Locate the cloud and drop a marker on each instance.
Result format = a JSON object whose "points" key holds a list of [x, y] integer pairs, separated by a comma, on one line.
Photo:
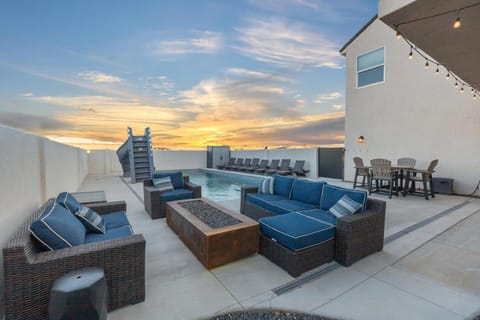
{"points": [[242, 72], [159, 85], [324, 97], [27, 94], [284, 5], [338, 106], [32, 123], [286, 43], [98, 77], [204, 42]]}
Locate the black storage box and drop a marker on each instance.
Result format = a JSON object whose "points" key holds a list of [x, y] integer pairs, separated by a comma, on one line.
{"points": [[443, 185]]}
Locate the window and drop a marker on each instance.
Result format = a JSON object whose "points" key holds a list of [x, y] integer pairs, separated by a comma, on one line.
{"points": [[370, 68]]}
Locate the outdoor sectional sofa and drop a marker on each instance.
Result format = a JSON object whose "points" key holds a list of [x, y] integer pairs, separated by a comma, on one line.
{"points": [[30, 270], [297, 231], [155, 201]]}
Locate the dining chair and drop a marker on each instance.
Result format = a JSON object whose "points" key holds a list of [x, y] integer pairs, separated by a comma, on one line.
{"points": [[380, 171], [360, 171], [404, 162], [424, 176]]}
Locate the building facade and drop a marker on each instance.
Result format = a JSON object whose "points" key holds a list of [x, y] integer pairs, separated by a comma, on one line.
{"points": [[403, 109]]}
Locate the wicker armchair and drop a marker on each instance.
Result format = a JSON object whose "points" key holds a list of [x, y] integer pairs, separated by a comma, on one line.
{"points": [[360, 171], [151, 197], [382, 171], [424, 176], [29, 270]]}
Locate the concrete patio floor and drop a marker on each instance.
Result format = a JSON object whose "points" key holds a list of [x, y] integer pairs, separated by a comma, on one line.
{"points": [[432, 272]]}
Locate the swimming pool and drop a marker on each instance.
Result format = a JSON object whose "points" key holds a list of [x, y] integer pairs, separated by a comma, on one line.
{"points": [[220, 186]]}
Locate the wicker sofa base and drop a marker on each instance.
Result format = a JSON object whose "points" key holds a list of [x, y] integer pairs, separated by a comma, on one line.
{"points": [[297, 262]]}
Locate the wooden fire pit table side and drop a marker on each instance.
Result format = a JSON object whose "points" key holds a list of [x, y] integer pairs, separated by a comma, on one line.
{"points": [[213, 247]]}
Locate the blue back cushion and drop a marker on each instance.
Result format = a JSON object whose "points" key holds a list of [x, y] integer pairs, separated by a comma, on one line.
{"points": [[176, 178], [282, 185], [58, 228], [90, 219], [307, 191], [68, 201], [331, 194]]}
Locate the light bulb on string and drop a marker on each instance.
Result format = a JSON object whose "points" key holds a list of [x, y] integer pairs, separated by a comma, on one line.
{"points": [[461, 90], [398, 35], [437, 71], [426, 64], [456, 84], [410, 55], [458, 23], [447, 76]]}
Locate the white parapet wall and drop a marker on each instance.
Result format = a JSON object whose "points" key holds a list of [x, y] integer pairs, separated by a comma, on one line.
{"points": [[309, 155], [173, 160], [34, 169]]}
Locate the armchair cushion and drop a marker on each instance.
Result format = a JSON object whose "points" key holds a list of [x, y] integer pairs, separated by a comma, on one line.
{"points": [[57, 228], [307, 191], [331, 194], [116, 233], [163, 184], [176, 194], [282, 185], [115, 220], [176, 178], [90, 219], [296, 231], [266, 186], [345, 206]]}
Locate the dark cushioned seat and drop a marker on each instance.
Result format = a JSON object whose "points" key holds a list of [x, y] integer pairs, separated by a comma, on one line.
{"points": [[282, 185], [321, 215], [116, 233], [115, 220], [307, 191], [296, 231], [176, 194], [331, 194], [293, 205], [260, 199]]}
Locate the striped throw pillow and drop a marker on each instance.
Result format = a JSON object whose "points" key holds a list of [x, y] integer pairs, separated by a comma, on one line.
{"points": [[266, 186], [163, 184], [345, 206], [91, 220]]}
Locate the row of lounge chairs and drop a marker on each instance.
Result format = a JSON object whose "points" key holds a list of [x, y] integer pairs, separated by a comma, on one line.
{"points": [[258, 166]]}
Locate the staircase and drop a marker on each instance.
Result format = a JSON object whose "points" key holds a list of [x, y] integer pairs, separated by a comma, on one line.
{"points": [[136, 156]]}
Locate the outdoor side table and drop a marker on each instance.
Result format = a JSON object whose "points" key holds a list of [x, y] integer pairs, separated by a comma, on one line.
{"points": [[79, 295]]}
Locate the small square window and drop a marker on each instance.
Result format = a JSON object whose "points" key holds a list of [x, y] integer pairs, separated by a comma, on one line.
{"points": [[371, 68]]}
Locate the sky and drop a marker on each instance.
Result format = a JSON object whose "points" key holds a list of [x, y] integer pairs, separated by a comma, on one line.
{"points": [[242, 73]]}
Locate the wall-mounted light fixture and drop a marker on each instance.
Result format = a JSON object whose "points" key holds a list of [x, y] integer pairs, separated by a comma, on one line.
{"points": [[361, 139]]}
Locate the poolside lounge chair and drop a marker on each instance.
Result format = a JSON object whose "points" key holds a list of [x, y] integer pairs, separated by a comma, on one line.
{"points": [[297, 169], [261, 166], [230, 162], [239, 162], [283, 166], [274, 164], [254, 164], [246, 164]]}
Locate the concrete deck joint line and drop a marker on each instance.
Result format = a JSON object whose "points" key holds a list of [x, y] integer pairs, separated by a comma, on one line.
{"points": [[133, 191]]}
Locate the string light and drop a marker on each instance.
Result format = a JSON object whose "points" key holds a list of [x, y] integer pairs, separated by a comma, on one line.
{"points": [[458, 23], [437, 71], [456, 84], [399, 35], [410, 56], [447, 76], [461, 90], [426, 64]]}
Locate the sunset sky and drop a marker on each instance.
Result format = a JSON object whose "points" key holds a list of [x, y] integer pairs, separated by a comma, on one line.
{"points": [[242, 73]]}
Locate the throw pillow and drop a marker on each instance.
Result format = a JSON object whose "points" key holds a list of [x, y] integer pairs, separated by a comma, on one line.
{"points": [[57, 228], [266, 186], [345, 206], [90, 219], [163, 184]]}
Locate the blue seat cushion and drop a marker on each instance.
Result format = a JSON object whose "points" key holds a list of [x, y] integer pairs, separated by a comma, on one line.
{"points": [[58, 228], [307, 191], [282, 185], [331, 194], [116, 233], [115, 220], [296, 231], [176, 178], [176, 194], [261, 199], [321, 215], [92, 221], [294, 205]]}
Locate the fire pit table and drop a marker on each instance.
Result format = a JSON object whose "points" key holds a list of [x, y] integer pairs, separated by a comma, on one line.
{"points": [[214, 234]]}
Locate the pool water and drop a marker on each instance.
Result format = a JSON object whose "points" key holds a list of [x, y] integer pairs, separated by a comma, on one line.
{"points": [[220, 186]]}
